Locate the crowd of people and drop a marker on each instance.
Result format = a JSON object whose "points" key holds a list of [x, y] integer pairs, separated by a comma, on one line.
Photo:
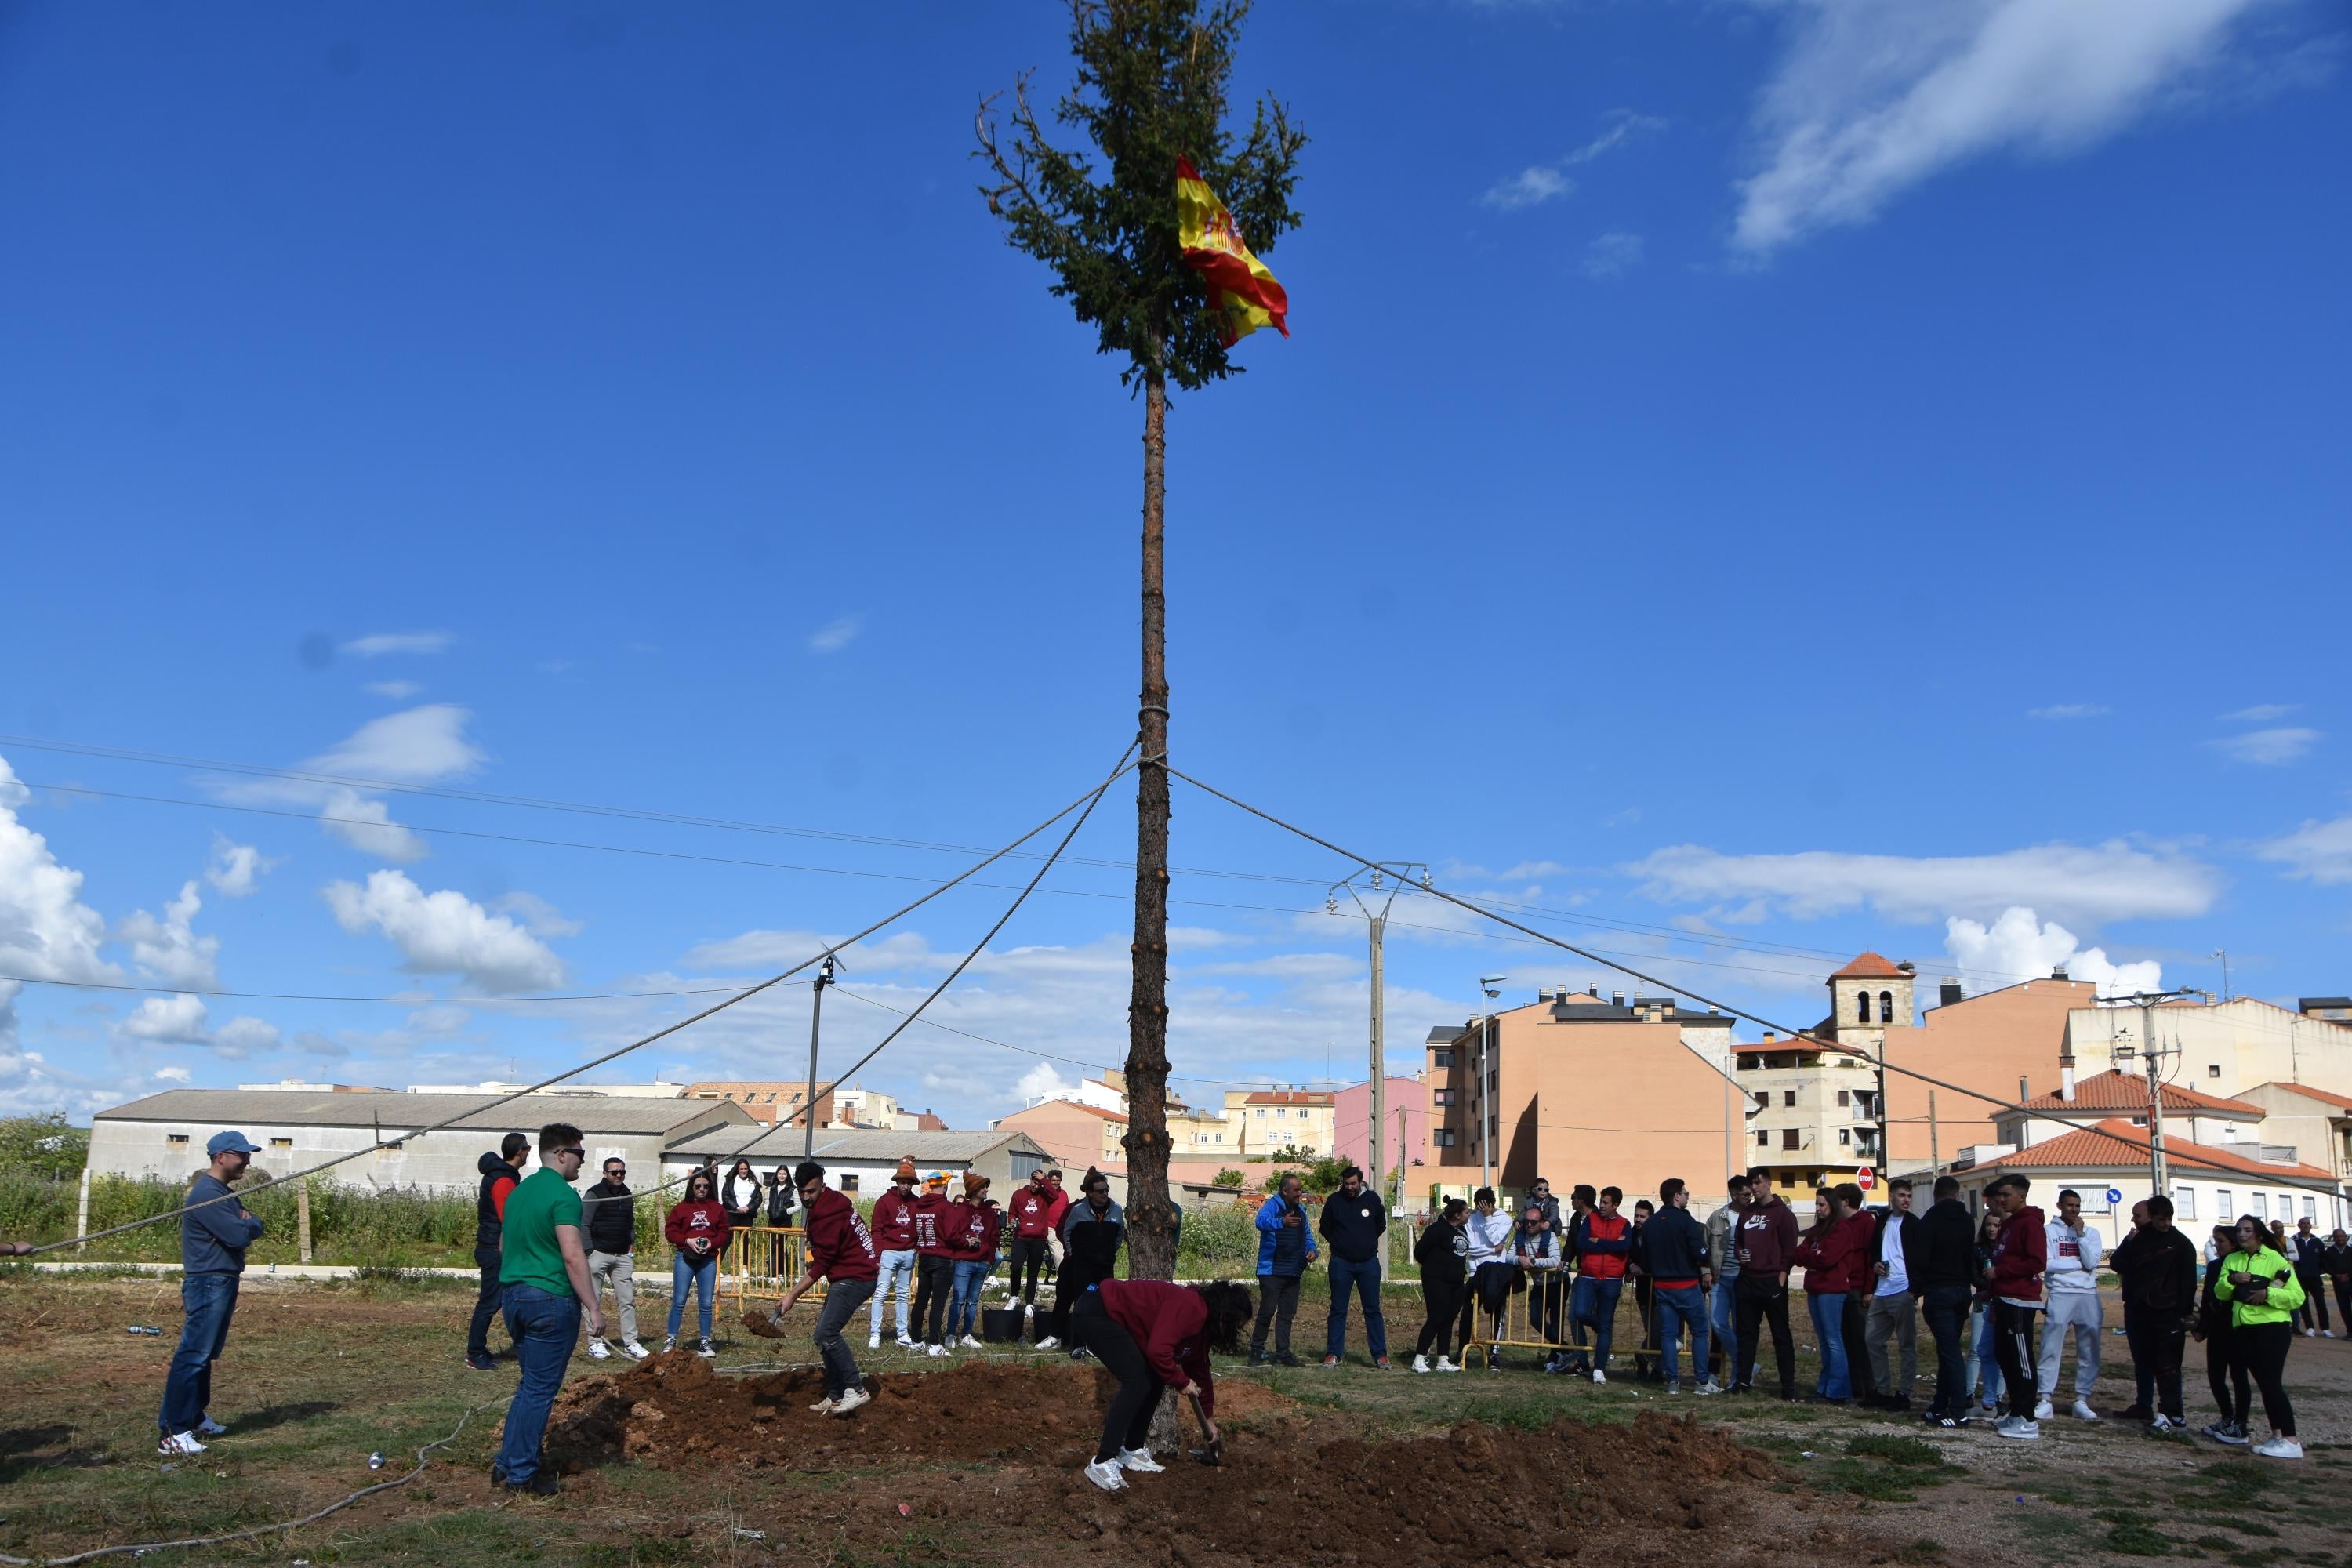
{"points": [[2004, 1297]]}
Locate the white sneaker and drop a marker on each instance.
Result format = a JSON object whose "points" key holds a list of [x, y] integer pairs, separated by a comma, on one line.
{"points": [[2327, 1334], [1048, 1343], [208, 1427], [1598, 1375], [598, 1350], [2016, 1427], [905, 1343], [823, 1407], [1447, 1365], [934, 1349], [874, 1342], [851, 1399], [2042, 1411], [1421, 1363], [669, 1344], [2164, 1423], [2280, 1449], [1141, 1460], [2082, 1411], [634, 1351], [179, 1446], [971, 1344], [705, 1351], [1105, 1474], [1711, 1387], [2309, 1334]]}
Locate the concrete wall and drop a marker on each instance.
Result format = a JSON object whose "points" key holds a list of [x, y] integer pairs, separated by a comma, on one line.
{"points": [[1005, 1169], [1406, 1119], [1983, 1045], [1073, 1134], [2212, 1200], [439, 1162], [2227, 1048]]}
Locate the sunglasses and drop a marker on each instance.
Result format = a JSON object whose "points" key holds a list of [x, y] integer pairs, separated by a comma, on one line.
{"points": [[582, 1152]]}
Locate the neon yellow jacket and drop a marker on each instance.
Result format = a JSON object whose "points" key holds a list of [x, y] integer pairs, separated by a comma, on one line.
{"points": [[2262, 1263]]}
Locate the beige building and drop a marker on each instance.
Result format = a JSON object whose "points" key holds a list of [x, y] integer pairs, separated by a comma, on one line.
{"points": [[2236, 1125], [1812, 1116], [2226, 1048], [1267, 1122], [1076, 1135], [2317, 1122]]}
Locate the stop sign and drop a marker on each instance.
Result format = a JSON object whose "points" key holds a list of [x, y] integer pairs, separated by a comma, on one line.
{"points": [[1865, 1178]]}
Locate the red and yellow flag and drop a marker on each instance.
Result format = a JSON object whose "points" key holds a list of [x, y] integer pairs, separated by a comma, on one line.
{"points": [[1245, 293]]}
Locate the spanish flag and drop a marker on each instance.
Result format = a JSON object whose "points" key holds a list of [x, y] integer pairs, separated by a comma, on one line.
{"points": [[1245, 293]]}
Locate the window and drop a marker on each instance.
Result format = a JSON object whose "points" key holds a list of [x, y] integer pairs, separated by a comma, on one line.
{"points": [[177, 1140], [1444, 1137], [2263, 1207], [1862, 1006], [1442, 1096], [1788, 1097], [1763, 1137], [1886, 1006], [281, 1142], [2221, 1204], [1442, 1059], [1261, 1113], [2184, 1202], [1788, 1138], [1763, 1098], [2212, 1069], [2287, 1205], [1845, 1137], [2309, 1213], [1844, 1097]]}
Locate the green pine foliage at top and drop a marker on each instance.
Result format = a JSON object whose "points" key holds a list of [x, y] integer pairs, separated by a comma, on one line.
{"points": [[1153, 79]]}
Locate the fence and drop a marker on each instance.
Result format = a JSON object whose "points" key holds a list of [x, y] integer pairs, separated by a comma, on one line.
{"points": [[1536, 1318], [763, 1264]]}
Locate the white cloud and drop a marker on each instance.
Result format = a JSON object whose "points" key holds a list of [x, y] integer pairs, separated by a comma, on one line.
{"points": [[2262, 712], [1613, 255], [2267, 748], [2019, 945], [416, 745], [2068, 711], [168, 949], [2319, 852], [445, 933], [380, 643], [2095, 883], [47, 933], [1043, 1081], [397, 690], [364, 822], [537, 915], [837, 635], [1542, 182], [1874, 97], [237, 868], [180, 1020]]}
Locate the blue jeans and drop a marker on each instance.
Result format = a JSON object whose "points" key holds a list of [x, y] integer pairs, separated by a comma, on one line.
{"points": [[1829, 1330], [1986, 1383], [1593, 1303], [963, 1300], [897, 1267], [1359, 1280], [842, 1299], [1723, 1316], [209, 1300], [1677, 1310], [701, 1276], [545, 1329]]}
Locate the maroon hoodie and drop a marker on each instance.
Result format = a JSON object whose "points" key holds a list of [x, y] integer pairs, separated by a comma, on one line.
{"points": [[2020, 1257], [936, 1223], [1033, 1210], [1839, 1262], [894, 1222], [1769, 1231], [976, 1241], [704, 1221], [840, 1247]]}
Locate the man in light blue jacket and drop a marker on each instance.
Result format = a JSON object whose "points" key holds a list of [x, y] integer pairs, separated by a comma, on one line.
{"points": [[1286, 1245]]}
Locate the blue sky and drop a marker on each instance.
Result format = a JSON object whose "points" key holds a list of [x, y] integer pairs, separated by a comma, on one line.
{"points": [[1750, 481]]}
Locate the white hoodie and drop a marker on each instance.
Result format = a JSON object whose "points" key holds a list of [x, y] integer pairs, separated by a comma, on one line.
{"points": [[1490, 1237], [2074, 1255]]}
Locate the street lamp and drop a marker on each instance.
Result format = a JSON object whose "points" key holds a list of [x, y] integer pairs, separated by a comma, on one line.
{"points": [[1489, 987], [1379, 920]]}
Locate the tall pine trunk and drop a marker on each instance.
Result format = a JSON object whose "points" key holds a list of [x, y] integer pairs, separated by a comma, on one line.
{"points": [[1152, 1250]]}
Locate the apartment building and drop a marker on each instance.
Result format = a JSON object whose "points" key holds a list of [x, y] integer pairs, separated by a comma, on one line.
{"points": [[2225, 1047], [1268, 1121], [1812, 1116]]}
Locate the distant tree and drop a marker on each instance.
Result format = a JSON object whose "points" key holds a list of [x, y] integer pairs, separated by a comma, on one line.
{"points": [[43, 1145], [1152, 83], [1226, 1178], [1323, 1175]]}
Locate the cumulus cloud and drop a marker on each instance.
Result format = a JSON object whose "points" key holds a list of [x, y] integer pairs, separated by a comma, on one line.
{"points": [[2267, 748], [182, 1020], [537, 915], [445, 933], [47, 933], [168, 949], [378, 644], [837, 635], [2022, 947], [2095, 883], [2068, 711], [1611, 256], [237, 868], [397, 690], [1044, 1081], [1872, 99], [419, 745], [2317, 852]]}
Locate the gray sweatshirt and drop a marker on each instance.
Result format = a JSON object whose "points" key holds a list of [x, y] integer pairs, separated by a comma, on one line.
{"points": [[213, 1239]]}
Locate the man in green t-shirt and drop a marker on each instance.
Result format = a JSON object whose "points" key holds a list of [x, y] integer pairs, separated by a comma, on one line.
{"points": [[543, 1289]]}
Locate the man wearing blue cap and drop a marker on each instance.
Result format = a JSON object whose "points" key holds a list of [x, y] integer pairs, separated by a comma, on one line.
{"points": [[213, 1239]]}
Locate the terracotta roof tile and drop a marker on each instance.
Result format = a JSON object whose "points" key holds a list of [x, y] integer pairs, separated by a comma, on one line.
{"points": [[1870, 966], [2089, 1150], [2118, 1090], [1291, 1097]]}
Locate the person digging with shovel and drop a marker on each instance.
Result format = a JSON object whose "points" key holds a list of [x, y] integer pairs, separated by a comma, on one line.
{"points": [[1150, 1336]]}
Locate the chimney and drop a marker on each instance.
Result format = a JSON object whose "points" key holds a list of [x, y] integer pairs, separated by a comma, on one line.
{"points": [[2059, 973], [1616, 998], [2066, 1079], [1949, 991], [1769, 1037], [2023, 1093], [1594, 992]]}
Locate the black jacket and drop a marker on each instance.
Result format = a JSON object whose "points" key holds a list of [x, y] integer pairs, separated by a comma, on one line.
{"points": [[488, 1226], [1940, 1248], [1353, 1226], [1673, 1245], [1442, 1252], [2158, 1271], [1093, 1239], [780, 1203], [610, 1212]]}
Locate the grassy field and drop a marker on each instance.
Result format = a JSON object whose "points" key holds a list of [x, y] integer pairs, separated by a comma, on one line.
{"points": [[319, 1377]]}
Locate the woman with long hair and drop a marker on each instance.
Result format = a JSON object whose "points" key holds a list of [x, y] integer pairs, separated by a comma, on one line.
{"points": [[697, 1226], [1150, 1336], [1443, 1251], [2225, 1375], [2263, 1292], [1984, 1371], [743, 1197]]}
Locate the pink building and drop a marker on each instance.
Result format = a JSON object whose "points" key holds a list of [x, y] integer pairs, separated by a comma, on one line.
{"points": [[1406, 1115]]}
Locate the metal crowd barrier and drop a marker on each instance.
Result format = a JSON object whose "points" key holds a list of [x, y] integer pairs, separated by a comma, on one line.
{"points": [[763, 1264], [1536, 1319]]}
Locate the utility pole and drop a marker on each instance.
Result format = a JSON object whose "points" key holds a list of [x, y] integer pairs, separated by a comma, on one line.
{"points": [[816, 1015], [2224, 954], [1935, 1153], [1379, 878], [1487, 992], [2146, 1001]]}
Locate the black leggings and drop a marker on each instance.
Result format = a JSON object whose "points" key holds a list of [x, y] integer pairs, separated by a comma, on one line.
{"points": [[2012, 1347], [1441, 1300], [1028, 1267], [1128, 1425], [934, 1283], [2260, 1349], [2223, 1370], [2314, 1299]]}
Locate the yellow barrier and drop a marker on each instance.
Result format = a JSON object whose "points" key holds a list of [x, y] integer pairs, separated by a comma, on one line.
{"points": [[763, 1264], [1533, 1318]]}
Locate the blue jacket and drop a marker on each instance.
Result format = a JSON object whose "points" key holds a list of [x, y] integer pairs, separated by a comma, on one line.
{"points": [[1282, 1251], [212, 1240]]}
